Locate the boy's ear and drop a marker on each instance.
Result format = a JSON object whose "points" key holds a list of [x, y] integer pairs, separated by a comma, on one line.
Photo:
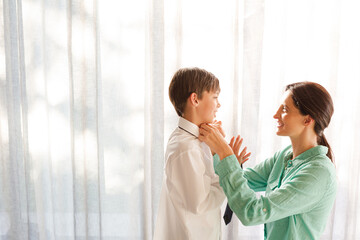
{"points": [[194, 99]]}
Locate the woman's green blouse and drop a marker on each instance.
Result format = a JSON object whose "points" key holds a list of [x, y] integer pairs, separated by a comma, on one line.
{"points": [[299, 192]]}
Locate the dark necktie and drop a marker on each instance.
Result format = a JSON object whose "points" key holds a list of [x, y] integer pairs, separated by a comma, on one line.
{"points": [[227, 215], [228, 212]]}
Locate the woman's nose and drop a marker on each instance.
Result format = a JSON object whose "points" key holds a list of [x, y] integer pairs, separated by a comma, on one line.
{"points": [[276, 115]]}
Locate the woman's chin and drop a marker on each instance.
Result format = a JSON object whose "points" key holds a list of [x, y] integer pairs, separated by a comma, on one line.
{"points": [[279, 133]]}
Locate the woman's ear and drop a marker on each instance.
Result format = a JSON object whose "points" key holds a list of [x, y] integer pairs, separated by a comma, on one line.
{"points": [[194, 99], [308, 120]]}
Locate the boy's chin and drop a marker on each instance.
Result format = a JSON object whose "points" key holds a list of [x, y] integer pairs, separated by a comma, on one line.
{"points": [[209, 120]]}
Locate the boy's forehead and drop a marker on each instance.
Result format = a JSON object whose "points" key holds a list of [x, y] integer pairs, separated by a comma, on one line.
{"points": [[216, 91]]}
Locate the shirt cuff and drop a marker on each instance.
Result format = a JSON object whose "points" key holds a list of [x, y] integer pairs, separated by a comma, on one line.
{"points": [[216, 159], [226, 165]]}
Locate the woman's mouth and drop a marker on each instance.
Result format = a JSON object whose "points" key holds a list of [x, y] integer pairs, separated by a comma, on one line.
{"points": [[279, 125]]}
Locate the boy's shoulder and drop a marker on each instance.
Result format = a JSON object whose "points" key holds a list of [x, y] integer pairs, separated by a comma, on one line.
{"points": [[185, 147], [183, 142]]}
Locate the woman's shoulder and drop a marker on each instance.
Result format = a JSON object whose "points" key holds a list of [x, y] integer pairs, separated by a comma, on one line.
{"points": [[324, 163], [321, 167]]}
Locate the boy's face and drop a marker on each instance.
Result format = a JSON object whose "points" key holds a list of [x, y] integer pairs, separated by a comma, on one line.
{"points": [[208, 106]]}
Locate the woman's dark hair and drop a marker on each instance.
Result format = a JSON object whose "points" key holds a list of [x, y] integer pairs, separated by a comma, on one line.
{"points": [[313, 99]]}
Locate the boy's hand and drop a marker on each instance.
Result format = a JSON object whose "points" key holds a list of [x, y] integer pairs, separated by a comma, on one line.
{"points": [[235, 145]]}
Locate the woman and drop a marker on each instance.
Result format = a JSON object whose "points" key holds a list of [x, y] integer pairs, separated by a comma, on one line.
{"points": [[300, 180]]}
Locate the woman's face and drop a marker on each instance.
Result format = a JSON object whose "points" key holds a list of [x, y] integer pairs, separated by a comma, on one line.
{"points": [[290, 122]]}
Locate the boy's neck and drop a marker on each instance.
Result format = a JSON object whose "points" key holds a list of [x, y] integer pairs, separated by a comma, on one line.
{"points": [[192, 118]]}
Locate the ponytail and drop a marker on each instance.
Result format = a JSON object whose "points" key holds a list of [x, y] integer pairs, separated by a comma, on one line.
{"points": [[322, 141], [314, 100]]}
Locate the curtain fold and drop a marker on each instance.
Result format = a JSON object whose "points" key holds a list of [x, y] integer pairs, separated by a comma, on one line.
{"points": [[14, 150], [154, 115], [84, 120]]}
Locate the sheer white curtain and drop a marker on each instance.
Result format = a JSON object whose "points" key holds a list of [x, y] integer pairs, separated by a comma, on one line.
{"points": [[85, 115]]}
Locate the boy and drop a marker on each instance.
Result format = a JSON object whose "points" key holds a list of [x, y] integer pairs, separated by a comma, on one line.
{"points": [[191, 196]]}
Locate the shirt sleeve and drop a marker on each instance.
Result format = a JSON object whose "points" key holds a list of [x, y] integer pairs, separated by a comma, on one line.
{"points": [[216, 160], [300, 194], [190, 187], [258, 176]]}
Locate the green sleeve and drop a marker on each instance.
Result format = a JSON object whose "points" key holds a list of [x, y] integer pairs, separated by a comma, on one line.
{"points": [[258, 176], [216, 159], [299, 194]]}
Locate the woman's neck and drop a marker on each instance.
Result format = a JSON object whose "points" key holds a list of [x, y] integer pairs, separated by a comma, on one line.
{"points": [[303, 143]]}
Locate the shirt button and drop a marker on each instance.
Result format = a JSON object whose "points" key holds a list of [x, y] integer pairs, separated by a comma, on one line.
{"points": [[264, 210]]}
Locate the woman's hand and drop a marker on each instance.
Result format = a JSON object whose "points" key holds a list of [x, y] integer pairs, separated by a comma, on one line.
{"points": [[235, 144], [214, 139], [218, 125]]}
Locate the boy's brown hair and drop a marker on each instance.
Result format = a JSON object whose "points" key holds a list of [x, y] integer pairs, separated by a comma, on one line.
{"points": [[187, 81]]}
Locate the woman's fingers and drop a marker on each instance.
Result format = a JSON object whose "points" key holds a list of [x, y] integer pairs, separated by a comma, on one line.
{"points": [[237, 144], [246, 157], [213, 138], [205, 130], [202, 132], [244, 160], [211, 135], [207, 127], [243, 157], [218, 126], [208, 134], [231, 144], [204, 127], [243, 152]]}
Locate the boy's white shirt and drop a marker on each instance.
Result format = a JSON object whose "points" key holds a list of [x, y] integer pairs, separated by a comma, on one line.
{"points": [[191, 196]]}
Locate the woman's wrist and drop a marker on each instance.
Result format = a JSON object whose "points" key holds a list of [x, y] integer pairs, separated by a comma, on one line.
{"points": [[225, 153]]}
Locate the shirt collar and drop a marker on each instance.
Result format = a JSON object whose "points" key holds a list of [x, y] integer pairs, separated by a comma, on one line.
{"points": [[318, 150], [188, 126]]}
